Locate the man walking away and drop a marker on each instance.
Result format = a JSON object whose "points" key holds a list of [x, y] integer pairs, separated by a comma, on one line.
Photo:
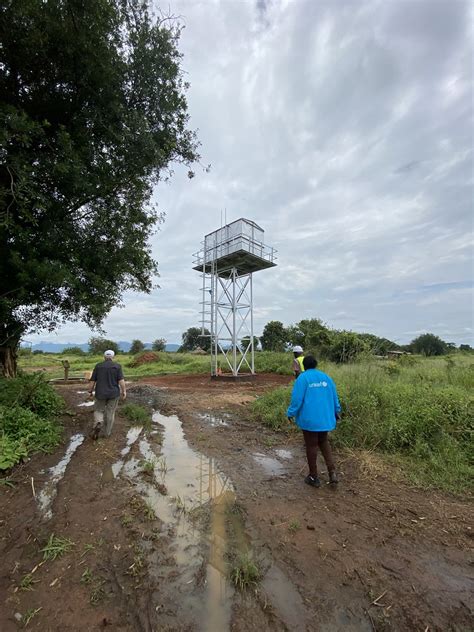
{"points": [[108, 381], [298, 355]]}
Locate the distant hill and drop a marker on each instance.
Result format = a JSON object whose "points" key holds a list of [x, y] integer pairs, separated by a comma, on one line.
{"points": [[57, 347]]}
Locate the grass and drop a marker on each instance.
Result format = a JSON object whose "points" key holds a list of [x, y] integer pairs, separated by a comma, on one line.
{"points": [[29, 615], [245, 572], [294, 526], [29, 408], [138, 415], [418, 413], [27, 582], [56, 547]]}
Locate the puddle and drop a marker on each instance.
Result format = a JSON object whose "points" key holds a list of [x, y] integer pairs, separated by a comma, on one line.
{"points": [[284, 454], [192, 480], [86, 404], [271, 466], [132, 436], [214, 420], [50, 489]]}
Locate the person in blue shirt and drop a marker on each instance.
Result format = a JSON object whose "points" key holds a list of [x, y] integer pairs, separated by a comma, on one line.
{"points": [[315, 407]]}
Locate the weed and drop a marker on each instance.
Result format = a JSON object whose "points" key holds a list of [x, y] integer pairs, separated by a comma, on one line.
{"points": [[97, 593], [29, 614], [56, 547], [87, 577], [148, 466], [245, 572], [294, 526], [180, 504], [126, 520], [87, 549], [162, 466], [149, 512], [27, 582], [136, 568], [7, 482], [138, 415], [269, 442]]}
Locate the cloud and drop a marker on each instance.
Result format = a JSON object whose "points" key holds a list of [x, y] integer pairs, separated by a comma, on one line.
{"points": [[343, 129]]}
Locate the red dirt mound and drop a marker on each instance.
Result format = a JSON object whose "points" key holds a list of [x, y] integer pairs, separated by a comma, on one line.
{"points": [[145, 358]]}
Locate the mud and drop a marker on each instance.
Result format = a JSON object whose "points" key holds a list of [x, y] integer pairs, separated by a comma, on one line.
{"points": [[161, 517]]}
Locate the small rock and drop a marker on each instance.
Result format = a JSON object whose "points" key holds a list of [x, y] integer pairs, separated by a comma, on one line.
{"points": [[18, 616], [310, 527]]}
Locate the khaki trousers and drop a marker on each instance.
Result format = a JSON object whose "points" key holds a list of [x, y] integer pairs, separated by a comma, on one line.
{"points": [[104, 414]]}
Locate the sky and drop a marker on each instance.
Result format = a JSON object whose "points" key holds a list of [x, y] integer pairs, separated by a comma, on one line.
{"points": [[344, 129]]}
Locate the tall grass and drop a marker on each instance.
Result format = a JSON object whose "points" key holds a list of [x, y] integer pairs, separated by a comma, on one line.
{"points": [[422, 412]]}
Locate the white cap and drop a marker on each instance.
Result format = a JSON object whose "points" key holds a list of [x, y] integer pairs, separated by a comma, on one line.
{"points": [[298, 349], [109, 353]]}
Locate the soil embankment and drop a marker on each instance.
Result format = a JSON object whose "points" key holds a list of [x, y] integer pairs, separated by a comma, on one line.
{"points": [[153, 519]]}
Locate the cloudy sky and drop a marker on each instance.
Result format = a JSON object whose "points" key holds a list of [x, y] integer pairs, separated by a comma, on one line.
{"points": [[344, 129]]}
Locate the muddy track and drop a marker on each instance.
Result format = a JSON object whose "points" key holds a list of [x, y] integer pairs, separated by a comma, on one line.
{"points": [[159, 516]]}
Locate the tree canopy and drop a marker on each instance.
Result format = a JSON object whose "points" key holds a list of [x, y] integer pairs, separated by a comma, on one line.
{"points": [[99, 345], [429, 345], [192, 339], [137, 346], [274, 336], [93, 113], [159, 344]]}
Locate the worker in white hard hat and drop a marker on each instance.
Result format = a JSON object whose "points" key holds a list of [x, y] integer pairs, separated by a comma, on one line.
{"points": [[298, 354]]}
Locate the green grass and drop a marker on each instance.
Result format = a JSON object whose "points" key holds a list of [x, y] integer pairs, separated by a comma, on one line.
{"points": [[418, 412], [29, 408], [245, 572], [56, 547], [138, 415]]}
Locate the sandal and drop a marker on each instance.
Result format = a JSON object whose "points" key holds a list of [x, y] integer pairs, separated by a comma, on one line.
{"points": [[333, 480]]}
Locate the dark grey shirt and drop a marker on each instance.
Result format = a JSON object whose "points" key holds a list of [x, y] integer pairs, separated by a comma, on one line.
{"points": [[106, 376]]}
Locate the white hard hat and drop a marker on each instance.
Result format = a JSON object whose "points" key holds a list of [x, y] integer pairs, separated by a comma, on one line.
{"points": [[298, 349]]}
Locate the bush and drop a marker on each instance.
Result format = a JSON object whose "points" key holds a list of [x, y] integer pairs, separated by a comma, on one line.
{"points": [[28, 411], [73, 351], [138, 415]]}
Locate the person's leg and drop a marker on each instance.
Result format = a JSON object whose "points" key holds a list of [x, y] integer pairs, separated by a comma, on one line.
{"points": [[311, 444], [99, 408], [325, 447], [110, 408]]}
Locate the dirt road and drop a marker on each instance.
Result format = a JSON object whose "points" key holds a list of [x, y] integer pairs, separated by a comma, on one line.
{"points": [[154, 520]]}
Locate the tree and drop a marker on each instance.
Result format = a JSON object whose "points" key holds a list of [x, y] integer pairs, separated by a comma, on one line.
{"points": [[274, 337], [92, 112], [192, 338], [74, 351], [246, 341], [137, 347], [346, 346], [159, 344], [310, 334], [428, 345], [97, 346], [465, 347]]}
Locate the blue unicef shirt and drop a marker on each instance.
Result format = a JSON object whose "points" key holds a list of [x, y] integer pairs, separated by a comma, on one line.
{"points": [[314, 401]]}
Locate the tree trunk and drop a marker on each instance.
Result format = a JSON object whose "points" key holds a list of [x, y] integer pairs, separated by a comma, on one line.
{"points": [[8, 356]]}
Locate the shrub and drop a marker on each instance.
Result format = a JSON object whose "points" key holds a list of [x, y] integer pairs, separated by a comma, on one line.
{"points": [[73, 351], [28, 410], [138, 415]]}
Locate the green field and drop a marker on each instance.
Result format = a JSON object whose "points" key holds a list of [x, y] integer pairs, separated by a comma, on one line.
{"points": [[417, 413]]}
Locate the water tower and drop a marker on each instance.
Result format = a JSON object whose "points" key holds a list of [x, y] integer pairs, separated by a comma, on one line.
{"points": [[227, 261]]}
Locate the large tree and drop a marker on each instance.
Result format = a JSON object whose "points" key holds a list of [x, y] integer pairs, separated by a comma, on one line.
{"points": [[274, 336], [429, 345], [192, 339], [92, 113]]}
